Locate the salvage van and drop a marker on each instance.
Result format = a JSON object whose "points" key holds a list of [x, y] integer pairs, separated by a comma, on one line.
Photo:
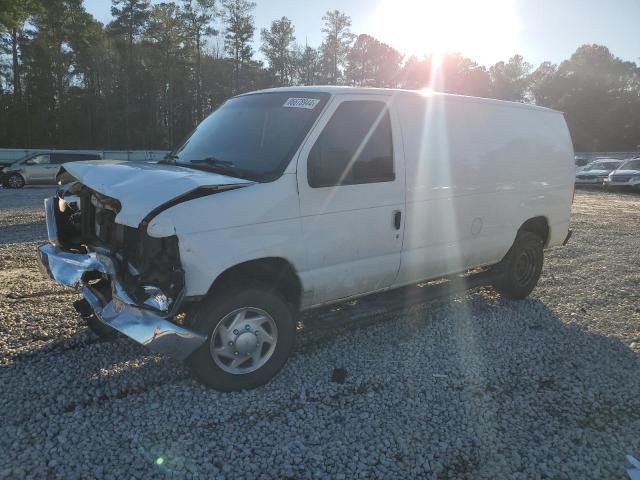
{"points": [[287, 199]]}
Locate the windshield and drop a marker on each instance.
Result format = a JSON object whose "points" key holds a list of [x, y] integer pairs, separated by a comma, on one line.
{"points": [[630, 165], [252, 136], [603, 166]]}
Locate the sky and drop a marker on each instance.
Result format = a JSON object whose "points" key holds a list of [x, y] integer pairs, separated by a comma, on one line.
{"points": [[486, 31]]}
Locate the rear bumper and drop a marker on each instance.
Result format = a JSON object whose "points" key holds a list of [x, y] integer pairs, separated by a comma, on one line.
{"points": [[113, 307], [634, 183]]}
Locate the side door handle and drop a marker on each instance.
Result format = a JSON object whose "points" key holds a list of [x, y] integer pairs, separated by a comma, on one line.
{"points": [[397, 219]]}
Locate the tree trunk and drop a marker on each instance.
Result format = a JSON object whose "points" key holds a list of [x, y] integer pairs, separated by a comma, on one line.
{"points": [[127, 87], [198, 81], [17, 90]]}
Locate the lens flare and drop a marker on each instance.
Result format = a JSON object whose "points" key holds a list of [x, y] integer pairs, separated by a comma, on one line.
{"points": [[482, 30]]}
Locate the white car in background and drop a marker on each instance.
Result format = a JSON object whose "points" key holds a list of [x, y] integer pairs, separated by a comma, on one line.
{"points": [[595, 173], [42, 167], [626, 175]]}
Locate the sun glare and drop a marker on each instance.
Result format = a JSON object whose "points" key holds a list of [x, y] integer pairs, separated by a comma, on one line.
{"points": [[482, 30]]}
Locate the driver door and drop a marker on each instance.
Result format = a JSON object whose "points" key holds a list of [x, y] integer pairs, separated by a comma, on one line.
{"points": [[351, 187]]}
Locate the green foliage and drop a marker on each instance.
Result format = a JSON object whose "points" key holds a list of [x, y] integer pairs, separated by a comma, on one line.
{"points": [[510, 81], [372, 63], [129, 17], [238, 35], [277, 46], [13, 13], [198, 16], [307, 65], [149, 76], [335, 47]]}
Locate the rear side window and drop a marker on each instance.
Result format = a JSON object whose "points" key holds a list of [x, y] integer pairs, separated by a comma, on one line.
{"points": [[355, 147], [38, 160]]}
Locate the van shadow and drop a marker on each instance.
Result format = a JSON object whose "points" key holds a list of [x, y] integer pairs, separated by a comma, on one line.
{"points": [[516, 367]]}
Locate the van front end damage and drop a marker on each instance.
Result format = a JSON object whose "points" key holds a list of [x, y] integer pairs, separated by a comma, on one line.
{"points": [[132, 282]]}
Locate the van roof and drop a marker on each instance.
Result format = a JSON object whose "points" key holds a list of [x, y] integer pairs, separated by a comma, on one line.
{"points": [[340, 90]]}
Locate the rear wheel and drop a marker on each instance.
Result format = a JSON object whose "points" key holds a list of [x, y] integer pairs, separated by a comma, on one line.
{"points": [[14, 180], [251, 333], [520, 269]]}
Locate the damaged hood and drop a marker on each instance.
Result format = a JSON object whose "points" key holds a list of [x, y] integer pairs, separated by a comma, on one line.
{"points": [[143, 188]]}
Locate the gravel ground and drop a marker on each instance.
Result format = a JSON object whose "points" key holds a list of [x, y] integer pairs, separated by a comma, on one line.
{"points": [[474, 387]]}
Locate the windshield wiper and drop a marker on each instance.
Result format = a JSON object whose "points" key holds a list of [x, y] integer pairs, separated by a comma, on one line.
{"points": [[221, 166], [213, 161]]}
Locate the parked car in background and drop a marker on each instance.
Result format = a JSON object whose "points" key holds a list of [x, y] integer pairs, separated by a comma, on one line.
{"points": [[626, 175], [595, 173], [3, 165], [41, 168]]}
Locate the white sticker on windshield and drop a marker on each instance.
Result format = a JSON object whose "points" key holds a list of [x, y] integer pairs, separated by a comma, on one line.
{"points": [[309, 103]]}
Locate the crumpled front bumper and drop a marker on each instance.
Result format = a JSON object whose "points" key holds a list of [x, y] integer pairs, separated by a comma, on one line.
{"points": [[145, 325]]}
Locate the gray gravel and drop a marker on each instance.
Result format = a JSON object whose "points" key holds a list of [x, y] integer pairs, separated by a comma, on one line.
{"points": [[477, 387]]}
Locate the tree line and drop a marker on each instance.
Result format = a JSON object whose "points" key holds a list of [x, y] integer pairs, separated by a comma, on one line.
{"points": [[150, 75]]}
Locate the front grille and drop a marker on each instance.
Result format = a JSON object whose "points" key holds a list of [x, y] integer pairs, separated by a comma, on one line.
{"points": [[620, 178]]}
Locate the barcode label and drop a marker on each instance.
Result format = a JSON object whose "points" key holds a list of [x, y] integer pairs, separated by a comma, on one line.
{"points": [[309, 103]]}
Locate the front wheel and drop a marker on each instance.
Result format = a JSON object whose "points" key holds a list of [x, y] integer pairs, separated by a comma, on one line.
{"points": [[519, 271], [14, 180], [251, 333]]}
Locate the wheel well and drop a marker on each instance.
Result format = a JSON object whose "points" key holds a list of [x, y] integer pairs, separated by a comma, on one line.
{"points": [[273, 271], [537, 225]]}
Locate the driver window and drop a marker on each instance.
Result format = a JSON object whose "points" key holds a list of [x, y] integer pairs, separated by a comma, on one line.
{"points": [[355, 147], [38, 160]]}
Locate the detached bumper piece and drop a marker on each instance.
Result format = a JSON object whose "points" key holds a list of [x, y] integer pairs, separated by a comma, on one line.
{"points": [[113, 306]]}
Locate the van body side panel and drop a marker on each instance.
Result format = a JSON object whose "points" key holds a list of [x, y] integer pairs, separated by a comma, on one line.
{"points": [[219, 231], [476, 171]]}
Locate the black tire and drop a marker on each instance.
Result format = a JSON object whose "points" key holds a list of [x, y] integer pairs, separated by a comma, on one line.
{"points": [[520, 269], [103, 331], [218, 307], [14, 180]]}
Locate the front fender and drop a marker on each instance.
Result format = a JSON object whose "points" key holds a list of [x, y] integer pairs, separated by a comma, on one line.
{"points": [[220, 231], [206, 255]]}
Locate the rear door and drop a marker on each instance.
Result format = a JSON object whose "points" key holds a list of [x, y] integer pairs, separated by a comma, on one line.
{"points": [[352, 190]]}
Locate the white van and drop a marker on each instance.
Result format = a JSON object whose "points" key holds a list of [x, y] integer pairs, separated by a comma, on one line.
{"points": [[287, 199]]}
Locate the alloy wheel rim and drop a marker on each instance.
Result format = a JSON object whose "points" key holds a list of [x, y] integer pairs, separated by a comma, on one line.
{"points": [[244, 340], [14, 181]]}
